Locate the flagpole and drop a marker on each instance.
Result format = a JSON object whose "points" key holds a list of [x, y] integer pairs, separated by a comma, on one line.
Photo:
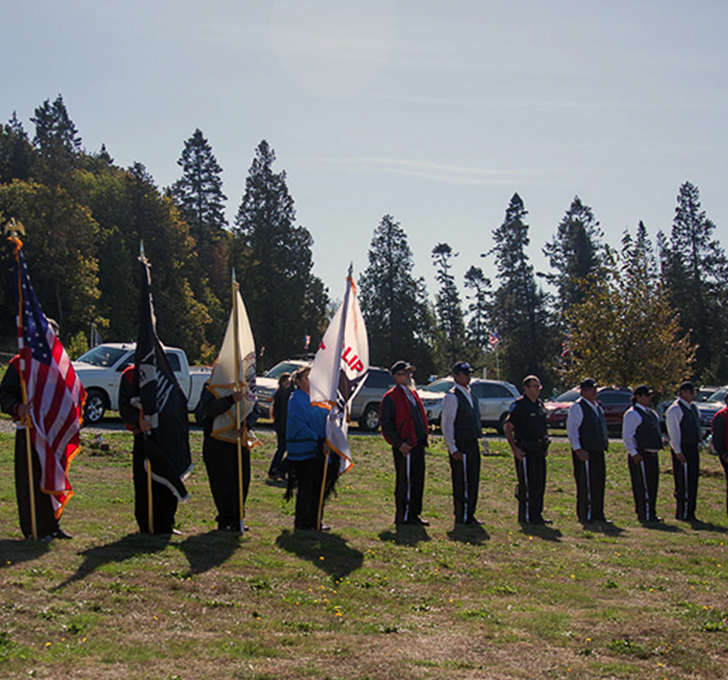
{"points": [[236, 331], [150, 504], [13, 228], [339, 344]]}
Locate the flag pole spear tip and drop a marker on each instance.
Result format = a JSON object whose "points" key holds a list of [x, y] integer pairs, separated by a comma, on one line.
{"points": [[141, 248], [234, 279], [351, 269]]}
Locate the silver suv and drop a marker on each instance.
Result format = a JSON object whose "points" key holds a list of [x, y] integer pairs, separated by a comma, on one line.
{"points": [[365, 405], [494, 398]]}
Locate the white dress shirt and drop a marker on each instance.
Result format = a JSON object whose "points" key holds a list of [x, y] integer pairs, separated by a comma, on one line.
{"points": [[574, 420], [630, 422], [449, 411], [673, 418]]}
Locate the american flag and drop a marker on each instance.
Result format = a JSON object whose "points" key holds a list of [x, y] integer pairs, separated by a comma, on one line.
{"points": [[493, 339], [54, 391]]}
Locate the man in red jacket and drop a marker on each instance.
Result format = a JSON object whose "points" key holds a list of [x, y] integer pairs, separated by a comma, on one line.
{"points": [[404, 426], [719, 430]]}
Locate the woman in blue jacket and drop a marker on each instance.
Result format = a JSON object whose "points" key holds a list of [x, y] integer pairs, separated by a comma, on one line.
{"points": [[307, 450]]}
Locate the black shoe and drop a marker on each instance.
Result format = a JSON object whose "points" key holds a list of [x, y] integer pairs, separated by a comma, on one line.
{"points": [[607, 522], [325, 527], [474, 520], [540, 521], [420, 521], [61, 534]]}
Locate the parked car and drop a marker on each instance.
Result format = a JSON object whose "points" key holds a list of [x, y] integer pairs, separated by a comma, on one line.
{"points": [[614, 401], [558, 408], [267, 384], [100, 369], [708, 408], [494, 399], [365, 404]]}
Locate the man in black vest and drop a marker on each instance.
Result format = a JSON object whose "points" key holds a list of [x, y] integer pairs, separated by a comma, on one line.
{"points": [[683, 428], [461, 429], [527, 435], [643, 440], [587, 431]]}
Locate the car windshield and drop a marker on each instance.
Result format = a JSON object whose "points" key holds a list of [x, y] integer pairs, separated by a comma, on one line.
{"points": [[719, 395], [439, 386], [280, 369], [102, 356], [571, 395]]}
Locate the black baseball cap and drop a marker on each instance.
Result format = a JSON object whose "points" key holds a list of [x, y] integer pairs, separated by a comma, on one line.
{"points": [[461, 367], [643, 391], [587, 382], [401, 365]]}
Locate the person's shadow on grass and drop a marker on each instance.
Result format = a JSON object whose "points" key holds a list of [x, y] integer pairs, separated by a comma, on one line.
{"points": [[131, 545], [542, 531], [21, 550], [473, 534], [327, 551], [406, 534], [206, 551]]}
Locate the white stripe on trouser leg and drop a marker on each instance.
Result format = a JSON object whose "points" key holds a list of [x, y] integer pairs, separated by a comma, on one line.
{"points": [[465, 488], [647, 491], [528, 491], [409, 488], [687, 493], [588, 491]]}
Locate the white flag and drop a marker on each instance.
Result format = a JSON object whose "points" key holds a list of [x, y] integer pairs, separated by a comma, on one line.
{"points": [[339, 369], [224, 374]]}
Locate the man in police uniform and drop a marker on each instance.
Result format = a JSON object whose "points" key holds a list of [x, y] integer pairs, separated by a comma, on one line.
{"points": [[683, 427], [586, 427], [461, 429], [643, 441], [525, 431]]}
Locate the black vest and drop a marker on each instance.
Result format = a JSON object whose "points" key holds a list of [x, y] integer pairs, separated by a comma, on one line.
{"points": [[648, 431], [593, 428], [689, 425], [467, 418]]}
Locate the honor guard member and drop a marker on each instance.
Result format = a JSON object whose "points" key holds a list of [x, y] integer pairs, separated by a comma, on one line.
{"points": [[643, 440], [586, 427], [683, 428], [719, 429], [404, 426], [526, 433], [461, 429]]}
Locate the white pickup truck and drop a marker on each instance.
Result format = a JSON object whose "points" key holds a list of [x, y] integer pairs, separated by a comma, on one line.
{"points": [[100, 369]]}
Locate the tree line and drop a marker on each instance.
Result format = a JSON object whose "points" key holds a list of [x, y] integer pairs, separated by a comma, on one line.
{"points": [[652, 312]]}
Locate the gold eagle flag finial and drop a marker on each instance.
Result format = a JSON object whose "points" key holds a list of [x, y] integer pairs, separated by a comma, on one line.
{"points": [[14, 227]]}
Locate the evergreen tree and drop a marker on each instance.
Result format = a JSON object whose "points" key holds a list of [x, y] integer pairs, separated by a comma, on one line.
{"points": [[694, 270], [198, 194], [639, 263], [479, 308], [57, 141], [394, 303], [575, 254], [16, 152], [519, 310], [449, 308], [273, 260]]}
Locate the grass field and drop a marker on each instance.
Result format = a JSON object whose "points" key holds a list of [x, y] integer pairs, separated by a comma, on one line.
{"points": [[367, 600]]}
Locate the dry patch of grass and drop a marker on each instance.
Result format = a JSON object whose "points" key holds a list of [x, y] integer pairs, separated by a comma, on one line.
{"points": [[367, 600]]}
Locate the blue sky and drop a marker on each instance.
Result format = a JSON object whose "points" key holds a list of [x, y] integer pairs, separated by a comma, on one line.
{"points": [[435, 113]]}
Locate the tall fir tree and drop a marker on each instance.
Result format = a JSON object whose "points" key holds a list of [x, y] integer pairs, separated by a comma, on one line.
{"points": [[394, 302], [448, 306], [694, 270], [57, 141], [575, 254], [479, 308], [16, 151], [519, 310], [273, 260], [199, 196]]}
